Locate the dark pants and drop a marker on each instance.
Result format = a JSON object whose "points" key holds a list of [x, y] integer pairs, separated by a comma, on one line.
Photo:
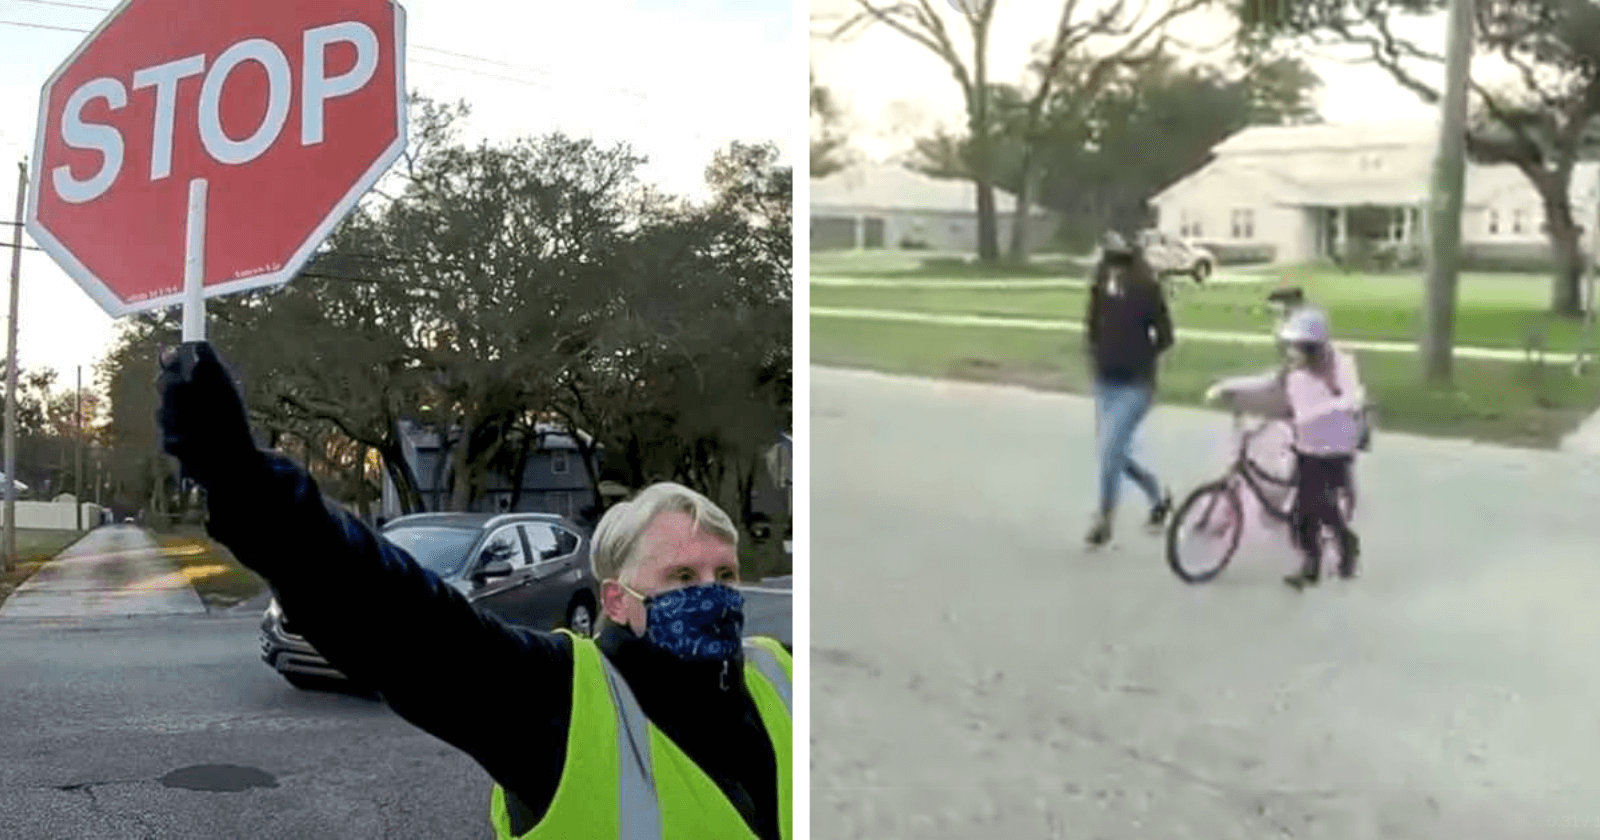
{"points": [[1317, 504]]}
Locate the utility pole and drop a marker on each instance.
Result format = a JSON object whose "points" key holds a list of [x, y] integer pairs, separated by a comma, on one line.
{"points": [[77, 473], [9, 562], [1445, 199]]}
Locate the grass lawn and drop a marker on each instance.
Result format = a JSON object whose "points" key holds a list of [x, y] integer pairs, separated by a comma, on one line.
{"points": [[34, 549], [221, 580], [1494, 401], [1494, 310]]}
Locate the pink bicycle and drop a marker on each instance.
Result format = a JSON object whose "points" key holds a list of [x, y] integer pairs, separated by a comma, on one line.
{"points": [[1215, 511]]}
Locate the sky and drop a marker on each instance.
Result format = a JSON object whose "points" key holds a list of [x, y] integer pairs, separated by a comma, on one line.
{"points": [[920, 93], [677, 79]]}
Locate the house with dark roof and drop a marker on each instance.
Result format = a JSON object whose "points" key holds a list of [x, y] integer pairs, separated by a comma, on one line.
{"points": [[1314, 191]]}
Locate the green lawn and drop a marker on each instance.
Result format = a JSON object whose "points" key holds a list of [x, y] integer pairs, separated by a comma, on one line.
{"points": [[932, 265], [1494, 310], [34, 549], [1514, 404], [211, 569]]}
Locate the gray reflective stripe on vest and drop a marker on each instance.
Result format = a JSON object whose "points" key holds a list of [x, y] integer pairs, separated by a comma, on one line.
{"points": [[770, 668], [638, 811]]}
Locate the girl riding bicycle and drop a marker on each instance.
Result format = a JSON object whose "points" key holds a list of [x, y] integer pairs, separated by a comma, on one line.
{"points": [[1323, 399]]}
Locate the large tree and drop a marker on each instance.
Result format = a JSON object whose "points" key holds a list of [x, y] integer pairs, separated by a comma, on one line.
{"points": [[1086, 45], [1098, 161], [829, 144], [1541, 123]]}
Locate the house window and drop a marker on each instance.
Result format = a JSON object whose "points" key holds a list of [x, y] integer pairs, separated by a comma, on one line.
{"points": [[1244, 224], [558, 462], [1494, 222], [1189, 225], [1517, 217]]}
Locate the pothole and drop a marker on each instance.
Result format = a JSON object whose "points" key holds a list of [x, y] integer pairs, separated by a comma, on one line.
{"points": [[229, 778]]}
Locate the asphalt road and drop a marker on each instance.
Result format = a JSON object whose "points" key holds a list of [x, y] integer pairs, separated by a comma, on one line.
{"points": [[976, 673], [103, 720], [94, 714]]}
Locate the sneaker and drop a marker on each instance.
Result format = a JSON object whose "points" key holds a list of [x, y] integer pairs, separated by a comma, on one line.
{"points": [[1099, 533], [1159, 513], [1350, 558], [1300, 580]]}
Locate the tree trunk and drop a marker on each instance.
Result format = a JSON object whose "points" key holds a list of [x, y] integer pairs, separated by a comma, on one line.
{"points": [[464, 470], [520, 466], [982, 151], [363, 504], [403, 476], [446, 448], [1566, 294], [591, 468], [1018, 253]]}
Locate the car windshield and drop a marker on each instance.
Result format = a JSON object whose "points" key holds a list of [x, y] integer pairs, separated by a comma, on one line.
{"points": [[439, 549]]}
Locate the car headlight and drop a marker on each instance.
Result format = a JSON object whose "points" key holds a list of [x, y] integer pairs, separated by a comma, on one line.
{"points": [[273, 610]]}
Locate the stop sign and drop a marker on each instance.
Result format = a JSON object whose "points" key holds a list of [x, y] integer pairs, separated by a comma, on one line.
{"points": [[277, 116]]}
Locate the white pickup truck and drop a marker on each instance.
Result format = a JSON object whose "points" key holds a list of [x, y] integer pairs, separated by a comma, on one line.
{"points": [[1170, 255]]}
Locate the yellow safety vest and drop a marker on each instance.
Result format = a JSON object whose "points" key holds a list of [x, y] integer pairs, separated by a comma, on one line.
{"points": [[625, 780]]}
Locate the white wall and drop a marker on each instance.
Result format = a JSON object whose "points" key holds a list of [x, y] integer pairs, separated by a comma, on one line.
{"points": [[55, 516]]}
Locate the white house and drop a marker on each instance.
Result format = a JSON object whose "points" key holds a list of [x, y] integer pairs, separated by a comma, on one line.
{"points": [[1293, 188], [885, 206]]}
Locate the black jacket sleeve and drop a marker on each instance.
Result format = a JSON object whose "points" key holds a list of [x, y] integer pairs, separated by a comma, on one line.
{"points": [[377, 616], [1160, 320], [1091, 314]]}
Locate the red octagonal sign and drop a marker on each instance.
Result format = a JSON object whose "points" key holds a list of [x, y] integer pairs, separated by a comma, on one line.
{"points": [[278, 115]]}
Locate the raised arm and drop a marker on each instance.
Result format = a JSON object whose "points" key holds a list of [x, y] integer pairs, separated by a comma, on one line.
{"points": [[362, 602]]}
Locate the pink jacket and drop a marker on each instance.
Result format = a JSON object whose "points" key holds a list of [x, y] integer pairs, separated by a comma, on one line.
{"points": [[1326, 415], [1327, 411]]}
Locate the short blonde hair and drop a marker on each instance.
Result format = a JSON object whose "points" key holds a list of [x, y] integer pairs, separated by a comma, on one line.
{"points": [[617, 546]]}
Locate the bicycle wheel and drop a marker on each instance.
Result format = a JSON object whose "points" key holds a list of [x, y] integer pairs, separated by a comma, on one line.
{"points": [[1213, 515]]}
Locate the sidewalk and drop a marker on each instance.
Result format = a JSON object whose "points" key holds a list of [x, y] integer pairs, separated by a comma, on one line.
{"points": [[114, 571], [1182, 334], [1585, 439], [847, 282]]}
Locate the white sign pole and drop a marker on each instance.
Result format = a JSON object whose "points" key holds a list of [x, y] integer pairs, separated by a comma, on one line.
{"points": [[194, 264]]}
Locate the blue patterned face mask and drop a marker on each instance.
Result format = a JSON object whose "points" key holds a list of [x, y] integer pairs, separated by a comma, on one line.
{"points": [[701, 623]]}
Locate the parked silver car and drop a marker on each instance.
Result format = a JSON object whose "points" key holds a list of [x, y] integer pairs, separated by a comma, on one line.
{"points": [[530, 569], [1170, 255]]}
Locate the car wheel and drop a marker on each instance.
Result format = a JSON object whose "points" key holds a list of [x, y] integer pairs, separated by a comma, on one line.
{"points": [[1202, 271], [580, 618]]}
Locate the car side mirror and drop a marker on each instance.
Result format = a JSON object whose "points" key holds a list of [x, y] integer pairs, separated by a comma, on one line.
{"points": [[493, 568]]}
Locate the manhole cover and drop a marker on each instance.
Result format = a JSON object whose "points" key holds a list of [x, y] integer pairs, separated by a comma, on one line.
{"points": [[219, 777]]}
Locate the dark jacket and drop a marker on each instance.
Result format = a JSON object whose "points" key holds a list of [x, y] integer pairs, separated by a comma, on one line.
{"points": [[502, 694], [1126, 325]]}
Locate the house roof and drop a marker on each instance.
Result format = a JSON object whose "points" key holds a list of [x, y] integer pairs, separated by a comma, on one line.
{"points": [[1264, 156], [1328, 137], [881, 186]]}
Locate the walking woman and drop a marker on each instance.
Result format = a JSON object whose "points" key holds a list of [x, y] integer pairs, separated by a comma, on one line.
{"points": [[1127, 327]]}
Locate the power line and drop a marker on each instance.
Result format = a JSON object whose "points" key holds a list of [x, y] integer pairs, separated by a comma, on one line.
{"points": [[60, 4], [27, 25], [426, 48], [640, 97]]}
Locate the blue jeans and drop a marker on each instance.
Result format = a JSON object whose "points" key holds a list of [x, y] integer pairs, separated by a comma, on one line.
{"points": [[1119, 409]]}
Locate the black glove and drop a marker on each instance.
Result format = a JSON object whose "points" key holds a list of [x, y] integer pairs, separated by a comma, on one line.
{"points": [[202, 415]]}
